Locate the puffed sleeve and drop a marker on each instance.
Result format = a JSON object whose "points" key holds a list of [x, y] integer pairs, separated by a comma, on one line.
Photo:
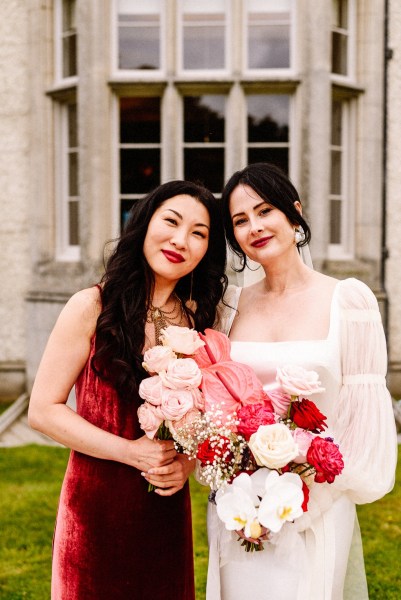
{"points": [[227, 309], [363, 417]]}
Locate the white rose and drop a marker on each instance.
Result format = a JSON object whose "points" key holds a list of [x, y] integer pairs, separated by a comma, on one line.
{"points": [[157, 358], [297, 381], [181, 339], [182, 373], [273, 446]]}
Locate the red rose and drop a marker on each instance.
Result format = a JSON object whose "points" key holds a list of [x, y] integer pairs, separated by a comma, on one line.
{"points": [[305, 414], [252, 416], [210, 450], [326, 458], [305, 490]]}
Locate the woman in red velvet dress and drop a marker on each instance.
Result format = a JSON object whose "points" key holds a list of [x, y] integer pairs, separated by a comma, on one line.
{"points": [[113, 539]]}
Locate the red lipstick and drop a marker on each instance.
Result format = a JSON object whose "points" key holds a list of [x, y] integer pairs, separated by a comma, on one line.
{"points": [[173, 257], [260, 242]]}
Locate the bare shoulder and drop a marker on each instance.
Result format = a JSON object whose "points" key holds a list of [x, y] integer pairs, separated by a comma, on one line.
{"points": [[82, 310], [323, 282]]}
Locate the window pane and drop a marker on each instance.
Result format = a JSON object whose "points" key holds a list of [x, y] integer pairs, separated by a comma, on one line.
{"points": [[69, 38], [339, 53], [336, 130], [205, 165], [139, 34], [268, 47], [268, 118], [335, 222], [340, 14], [277, 156], [139, 120], [268, 34], [70, 56], [204, 118], [139, 170], [73, 218], [73, 174], [69, 16], [72, 126], [204, 34], [335, 172]]}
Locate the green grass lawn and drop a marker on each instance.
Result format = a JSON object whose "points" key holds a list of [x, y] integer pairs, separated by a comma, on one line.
{"points": [[30, 480]]}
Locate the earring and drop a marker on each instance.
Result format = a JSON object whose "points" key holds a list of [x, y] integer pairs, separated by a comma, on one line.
{"points": [[190, 289], [299, 235]]}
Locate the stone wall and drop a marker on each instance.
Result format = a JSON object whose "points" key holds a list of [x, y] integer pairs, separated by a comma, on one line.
{"points": [[393, 220], [14, 193]]}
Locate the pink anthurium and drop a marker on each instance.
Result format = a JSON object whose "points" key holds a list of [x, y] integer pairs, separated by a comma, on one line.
{"points": [[215, 350]]}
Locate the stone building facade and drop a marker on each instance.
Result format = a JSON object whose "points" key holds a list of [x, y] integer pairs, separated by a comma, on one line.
{"points": [[102, 100]]}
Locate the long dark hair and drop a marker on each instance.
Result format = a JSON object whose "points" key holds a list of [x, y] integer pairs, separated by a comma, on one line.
{"points": [[128, 284], [271, 184]]}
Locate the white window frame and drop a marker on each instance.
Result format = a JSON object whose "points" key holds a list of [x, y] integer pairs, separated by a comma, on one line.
{"points": [[137, 74], [345, 250], [64, 250], [204, 74], [351, 47], [273, 72], [58, 48]]}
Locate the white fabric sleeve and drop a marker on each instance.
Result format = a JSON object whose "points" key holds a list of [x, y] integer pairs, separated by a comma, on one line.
{"points": [[363, 418], [227, 310]]}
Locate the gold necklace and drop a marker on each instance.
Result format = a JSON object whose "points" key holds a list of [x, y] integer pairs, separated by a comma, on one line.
{"points": [[162, 318]]}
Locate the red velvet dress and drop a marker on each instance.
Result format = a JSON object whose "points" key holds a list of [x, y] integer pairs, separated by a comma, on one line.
{"points": [[113, 539]]}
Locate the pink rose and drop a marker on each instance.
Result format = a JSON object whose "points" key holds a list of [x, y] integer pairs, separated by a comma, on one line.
{"points": [[324, 455], [150, 418], [150, 389], [181, 339], [186, 421], [157, 358], [303, 439], [199, 399], [297, 381], [182, 373], [251, 417], [176, 402], [279, 399]]}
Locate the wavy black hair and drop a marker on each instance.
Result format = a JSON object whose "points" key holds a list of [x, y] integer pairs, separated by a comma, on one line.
{"points": [[271, 184], [128, 283]]}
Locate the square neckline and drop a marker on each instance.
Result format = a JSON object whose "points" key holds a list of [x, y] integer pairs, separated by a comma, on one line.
{"points": [[312, 341]]}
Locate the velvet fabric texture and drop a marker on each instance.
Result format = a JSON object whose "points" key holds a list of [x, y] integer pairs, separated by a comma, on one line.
{"points": [[113, 539]]}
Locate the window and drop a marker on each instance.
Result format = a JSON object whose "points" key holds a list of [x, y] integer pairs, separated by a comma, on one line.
{"points": [[203, 34], [268, 129], [341, 183], [139, 149], [139, 34], [340, 38], [66, 39], [268, 34], [68, 183], [204, 118]]}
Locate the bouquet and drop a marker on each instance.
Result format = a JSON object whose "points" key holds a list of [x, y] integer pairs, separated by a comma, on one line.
{"points": [[291, 455], [258, 450]]}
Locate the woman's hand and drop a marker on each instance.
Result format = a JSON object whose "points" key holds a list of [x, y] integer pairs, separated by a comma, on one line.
{"points": [[171, 478], [259, 540], [145, 454]]}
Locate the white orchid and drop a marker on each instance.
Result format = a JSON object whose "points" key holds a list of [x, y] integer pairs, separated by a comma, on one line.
{"points": [[282, 500], [236, 505]]}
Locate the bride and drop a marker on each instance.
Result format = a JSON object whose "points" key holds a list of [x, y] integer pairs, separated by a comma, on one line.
{"points": [[295, 315]]}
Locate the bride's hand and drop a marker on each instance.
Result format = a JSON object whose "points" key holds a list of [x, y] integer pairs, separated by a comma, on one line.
{"points": [[259, 540]]}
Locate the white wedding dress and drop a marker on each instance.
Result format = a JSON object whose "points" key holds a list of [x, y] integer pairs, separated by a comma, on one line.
{"points": [[319, 556]]}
